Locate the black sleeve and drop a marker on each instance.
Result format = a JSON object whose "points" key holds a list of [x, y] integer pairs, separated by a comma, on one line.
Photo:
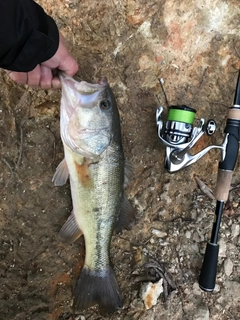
{"points": [[28, 36]]}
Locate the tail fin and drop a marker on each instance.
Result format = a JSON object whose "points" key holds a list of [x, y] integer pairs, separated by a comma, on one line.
{"points": [[94, 287]]}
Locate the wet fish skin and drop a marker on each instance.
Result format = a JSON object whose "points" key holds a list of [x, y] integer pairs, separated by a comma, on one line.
{"points": [[94, 161]]}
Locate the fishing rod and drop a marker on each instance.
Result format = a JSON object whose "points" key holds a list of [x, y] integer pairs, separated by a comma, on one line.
{"points": [[225, 171], [179, 135]]}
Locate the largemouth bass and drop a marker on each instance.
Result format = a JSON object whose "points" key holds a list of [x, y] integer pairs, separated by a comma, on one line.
{"points": [[94, 162]]}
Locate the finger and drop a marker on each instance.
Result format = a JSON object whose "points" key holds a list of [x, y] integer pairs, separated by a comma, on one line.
{"points": [[56, 84], [46, 77], [34, 77], [19, 77]]}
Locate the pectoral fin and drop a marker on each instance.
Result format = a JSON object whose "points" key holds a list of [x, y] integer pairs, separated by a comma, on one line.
{"points": [[61, 174], [126, 216], [70, 231]]}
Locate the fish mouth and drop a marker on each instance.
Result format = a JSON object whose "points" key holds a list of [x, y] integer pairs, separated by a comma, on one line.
{"points": [[83, 87]]}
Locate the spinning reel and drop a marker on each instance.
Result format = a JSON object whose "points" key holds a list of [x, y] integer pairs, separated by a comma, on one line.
{"points": [[179, 135]]}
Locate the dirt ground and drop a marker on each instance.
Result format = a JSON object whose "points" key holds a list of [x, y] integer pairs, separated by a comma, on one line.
{"points": [[38, 271]]}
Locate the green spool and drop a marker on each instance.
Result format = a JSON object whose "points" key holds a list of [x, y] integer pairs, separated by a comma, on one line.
{"points": [[181, 114]]}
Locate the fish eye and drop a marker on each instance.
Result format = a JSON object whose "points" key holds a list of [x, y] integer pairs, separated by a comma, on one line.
{"points": [[104, 105]]}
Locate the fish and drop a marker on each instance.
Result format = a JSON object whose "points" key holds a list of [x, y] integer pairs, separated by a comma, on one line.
{"points": [[95, 164]]}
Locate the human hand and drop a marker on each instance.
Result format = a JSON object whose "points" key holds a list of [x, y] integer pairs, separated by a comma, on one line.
{"points": [[44, 75]]}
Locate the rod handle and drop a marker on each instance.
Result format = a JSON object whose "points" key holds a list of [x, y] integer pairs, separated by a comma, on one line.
{"points": [[224, 180], [208, 273]]}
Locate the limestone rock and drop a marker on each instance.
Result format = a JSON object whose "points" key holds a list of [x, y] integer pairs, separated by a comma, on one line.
{"points": [[150, 292]]}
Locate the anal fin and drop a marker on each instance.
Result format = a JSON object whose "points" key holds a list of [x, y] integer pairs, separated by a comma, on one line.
{"points": [[70, 231]]}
